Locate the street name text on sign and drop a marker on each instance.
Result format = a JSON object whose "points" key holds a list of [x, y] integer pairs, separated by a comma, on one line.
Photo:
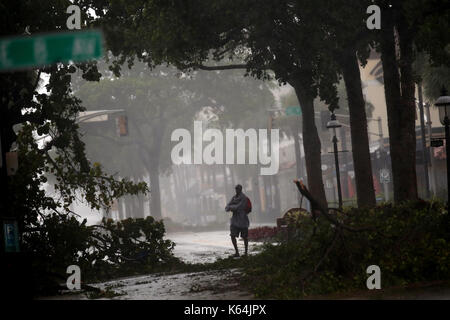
{"points": [[42, 49]]}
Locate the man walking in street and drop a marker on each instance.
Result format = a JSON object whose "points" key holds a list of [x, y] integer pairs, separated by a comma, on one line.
{"points": [[239, 221]]}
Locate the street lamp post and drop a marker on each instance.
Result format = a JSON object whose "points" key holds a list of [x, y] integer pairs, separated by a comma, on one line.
{"points": [[333, 124], [443, 103]]}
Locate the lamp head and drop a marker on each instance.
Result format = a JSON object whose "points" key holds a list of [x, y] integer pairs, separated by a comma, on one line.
{"points": [[443, 103], [333, 123]]}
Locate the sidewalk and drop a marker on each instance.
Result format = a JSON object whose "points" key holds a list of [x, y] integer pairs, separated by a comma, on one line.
{"points": [[210, 285]]}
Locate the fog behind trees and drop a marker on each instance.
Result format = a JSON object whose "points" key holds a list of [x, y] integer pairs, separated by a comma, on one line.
{"points": [[158, 101]]}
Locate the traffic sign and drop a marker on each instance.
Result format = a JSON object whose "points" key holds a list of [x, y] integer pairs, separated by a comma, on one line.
{"points": [[436, 143], [41, 49], [293, 111]]}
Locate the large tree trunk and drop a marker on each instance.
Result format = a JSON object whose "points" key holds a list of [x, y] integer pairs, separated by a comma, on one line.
{"points": [[268, 197], [358, 125], [177, 189], [311, 143], [151, 157], [153, 169], [400, 107], [408, 116], [155, 193], [256, 201], [277, 198], [226, 189], [213, 171], [233, 178]]}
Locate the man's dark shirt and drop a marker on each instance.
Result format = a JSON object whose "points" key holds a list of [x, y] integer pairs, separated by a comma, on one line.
{"points": [[238, 205]]}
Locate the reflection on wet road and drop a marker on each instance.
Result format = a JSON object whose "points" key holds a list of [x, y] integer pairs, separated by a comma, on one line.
{"points": [[204, 247]]}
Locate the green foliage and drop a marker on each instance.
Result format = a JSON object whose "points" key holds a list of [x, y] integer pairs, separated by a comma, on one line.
{"points": [[410, 242], [431, 19], [48, 112], [60, 156], [295, 218], [105, 251], [132, 241], [434, 79]]}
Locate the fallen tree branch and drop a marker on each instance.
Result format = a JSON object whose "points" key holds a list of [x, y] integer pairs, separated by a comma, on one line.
{"points": [[315, 206], [325, 255], [115, 233], [327, 252]]}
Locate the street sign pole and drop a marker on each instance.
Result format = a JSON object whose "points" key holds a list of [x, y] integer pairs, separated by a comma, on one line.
{"points": [[3, 174]]}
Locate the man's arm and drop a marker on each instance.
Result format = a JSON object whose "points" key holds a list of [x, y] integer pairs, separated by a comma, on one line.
{"points": [[232, 205], [237, 203]]}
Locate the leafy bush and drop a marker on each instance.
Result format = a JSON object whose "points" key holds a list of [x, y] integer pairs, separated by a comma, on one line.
{"points": [[409, 242], [105, 251], [130, 246], [54, 244]]}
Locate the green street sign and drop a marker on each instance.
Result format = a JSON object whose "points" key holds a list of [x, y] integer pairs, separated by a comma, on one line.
{"points": [[293, 111], [26, 52]]}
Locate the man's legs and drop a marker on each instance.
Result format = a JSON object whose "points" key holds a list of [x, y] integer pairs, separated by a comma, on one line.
{"points": [[244, 235], [246, 245], [234, 232], [233, 240]]}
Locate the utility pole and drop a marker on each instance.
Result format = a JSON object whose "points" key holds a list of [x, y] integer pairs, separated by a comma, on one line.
{"points": [[432, 163], [381, 140]]}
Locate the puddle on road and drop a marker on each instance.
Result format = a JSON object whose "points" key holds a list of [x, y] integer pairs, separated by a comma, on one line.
{"points": [[205, 247]]}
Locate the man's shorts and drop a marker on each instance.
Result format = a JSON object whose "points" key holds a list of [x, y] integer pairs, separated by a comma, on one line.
{"points": [[235, 231]]}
